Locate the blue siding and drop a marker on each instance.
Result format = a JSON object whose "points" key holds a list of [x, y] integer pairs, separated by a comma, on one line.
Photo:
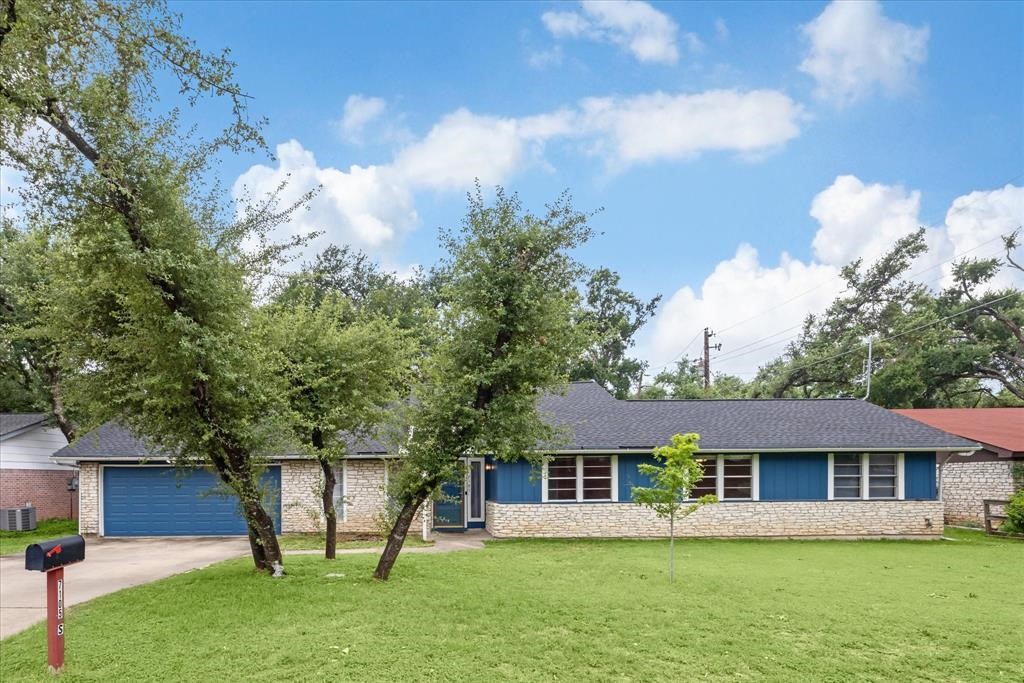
{"points": [[514, 482], [793, 476], [919, 476], [630, 476], [158, 501]]}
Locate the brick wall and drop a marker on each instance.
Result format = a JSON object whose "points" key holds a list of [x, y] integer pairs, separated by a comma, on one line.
{"points": [[47, 490], [965, 484], [755, 519]]}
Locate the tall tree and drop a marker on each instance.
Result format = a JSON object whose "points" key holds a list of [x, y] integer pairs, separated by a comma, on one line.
{"points": [[687, 381], [614, 316], [505, 333], [342, 375], [161, 299], [31, 369]]}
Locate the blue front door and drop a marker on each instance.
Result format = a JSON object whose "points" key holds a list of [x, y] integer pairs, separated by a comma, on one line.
{"points": [[160, 501], [448, 511]]}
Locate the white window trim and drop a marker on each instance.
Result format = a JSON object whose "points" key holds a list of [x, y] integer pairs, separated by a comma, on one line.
{"points": [[579, 480], [865, 477], [755, 474]]}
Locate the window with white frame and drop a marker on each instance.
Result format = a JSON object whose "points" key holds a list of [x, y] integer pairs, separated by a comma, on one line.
{"points": [[580, 478], [730, 477], [866, 476]]}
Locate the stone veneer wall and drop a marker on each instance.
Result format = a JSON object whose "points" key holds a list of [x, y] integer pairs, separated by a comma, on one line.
{"points": [[88, 498], [359, 512], [966, 484], [764, 519]]}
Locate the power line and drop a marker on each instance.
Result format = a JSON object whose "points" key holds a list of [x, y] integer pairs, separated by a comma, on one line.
{"points": [[680, 354], [902, 334], [731, 354]]}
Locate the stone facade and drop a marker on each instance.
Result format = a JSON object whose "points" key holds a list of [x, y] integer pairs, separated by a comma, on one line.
{"points": [[301, 482], [88, 498], [46, 490], [966, 484], [837, 519]]}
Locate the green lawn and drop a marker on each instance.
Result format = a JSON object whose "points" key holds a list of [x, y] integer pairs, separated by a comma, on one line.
{"points": [[568, 611], [14, 542]]}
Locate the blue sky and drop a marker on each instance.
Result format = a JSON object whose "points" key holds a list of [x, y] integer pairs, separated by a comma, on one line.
{"points": [[813, 133]]}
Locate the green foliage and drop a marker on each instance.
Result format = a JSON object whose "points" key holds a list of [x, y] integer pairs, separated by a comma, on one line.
{"points": [[504, 333], [1015, 514], [614, 316], [342, 369], [931, 349], [672, 481], [686, 381], [671, 484]]}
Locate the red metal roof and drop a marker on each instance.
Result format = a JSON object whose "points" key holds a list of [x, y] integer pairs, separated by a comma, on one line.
{"points": [[1002, 428]]}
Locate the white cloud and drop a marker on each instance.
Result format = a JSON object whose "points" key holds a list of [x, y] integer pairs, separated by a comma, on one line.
{"points": [[372, 206], [861, 221], [855, 220], [363, 206], [646, 33], [542, 59], [664, 126], [359, 111], [854, 48], [721, 29]]}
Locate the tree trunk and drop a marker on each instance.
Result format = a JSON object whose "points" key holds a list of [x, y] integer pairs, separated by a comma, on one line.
{"points": [[330, 513], [396, 538], [57, 405], [671, 548], [266, 552]]}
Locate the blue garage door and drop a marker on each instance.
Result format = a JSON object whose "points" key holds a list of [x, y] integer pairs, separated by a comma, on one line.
{"points": [[160, 501]]}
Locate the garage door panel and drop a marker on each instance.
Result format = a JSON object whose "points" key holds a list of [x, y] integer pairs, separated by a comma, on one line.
{"points": [[160, 501]]}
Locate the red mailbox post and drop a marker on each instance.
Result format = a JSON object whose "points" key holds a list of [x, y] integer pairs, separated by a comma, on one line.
{"points": [[51, 557]]}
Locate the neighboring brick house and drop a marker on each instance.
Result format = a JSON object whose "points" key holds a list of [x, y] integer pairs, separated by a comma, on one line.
{"points": [[781, 468], [27, 475], [966, 480]]}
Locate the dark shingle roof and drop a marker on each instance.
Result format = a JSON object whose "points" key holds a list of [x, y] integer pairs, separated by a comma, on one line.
{"points": [[596, 420], [12, 422]]}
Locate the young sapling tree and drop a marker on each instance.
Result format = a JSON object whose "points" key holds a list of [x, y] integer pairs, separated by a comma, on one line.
{"points": [[671, 484]]}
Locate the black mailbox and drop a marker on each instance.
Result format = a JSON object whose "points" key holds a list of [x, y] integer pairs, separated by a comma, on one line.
{"points": [[60, 552]]}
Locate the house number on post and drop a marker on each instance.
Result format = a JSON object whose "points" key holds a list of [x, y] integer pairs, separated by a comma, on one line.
{"points": [[51, 557]]}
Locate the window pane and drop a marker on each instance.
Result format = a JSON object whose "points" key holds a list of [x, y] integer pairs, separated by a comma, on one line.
{"points": [[562, 484], [597, 490], [559, 468], [882, 475], [734, 492], [706, 486], [563, 494], [846, 473], [737, 475]]}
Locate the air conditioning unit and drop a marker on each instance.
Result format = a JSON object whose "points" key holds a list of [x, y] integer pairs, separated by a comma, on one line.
{"points": [[18, 519]]}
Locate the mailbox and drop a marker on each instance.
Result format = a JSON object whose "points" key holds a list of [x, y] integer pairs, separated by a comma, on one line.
{"points": [[60, 552]]}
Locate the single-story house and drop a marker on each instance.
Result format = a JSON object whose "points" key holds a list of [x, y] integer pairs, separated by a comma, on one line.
{"points": [[781, 468], [988, 472], [27, 475]]}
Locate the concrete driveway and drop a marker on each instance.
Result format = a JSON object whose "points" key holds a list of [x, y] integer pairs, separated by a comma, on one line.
{"points": [[110, 565]]}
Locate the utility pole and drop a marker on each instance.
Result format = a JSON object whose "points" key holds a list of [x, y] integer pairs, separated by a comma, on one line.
{"points": [[867, 368], [708, 347]]}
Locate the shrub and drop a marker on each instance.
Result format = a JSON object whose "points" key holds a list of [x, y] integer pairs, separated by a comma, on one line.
{"points": [[1015, 514]]}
